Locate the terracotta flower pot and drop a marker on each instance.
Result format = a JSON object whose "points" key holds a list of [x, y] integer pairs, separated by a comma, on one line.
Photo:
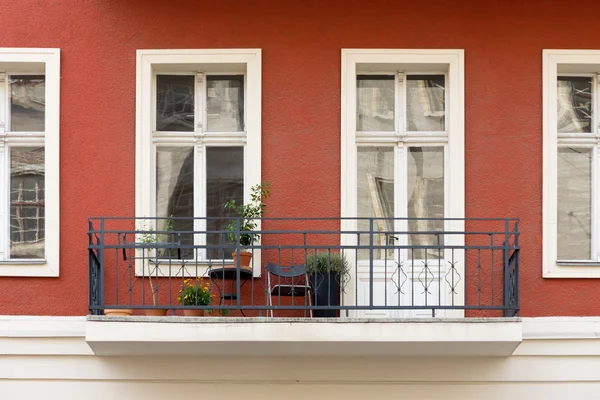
{"points": [[193, 313], [118, 312], [156, 312], [245, 258]]}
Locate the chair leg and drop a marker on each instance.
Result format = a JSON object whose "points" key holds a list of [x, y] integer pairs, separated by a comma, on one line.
{"points": [[309, 293], [269, 294]]}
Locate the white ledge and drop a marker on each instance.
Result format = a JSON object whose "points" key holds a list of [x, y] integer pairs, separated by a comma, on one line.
{"points": [[213, 336]]}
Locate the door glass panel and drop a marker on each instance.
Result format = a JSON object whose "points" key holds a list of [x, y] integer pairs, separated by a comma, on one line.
{"points": [[175, 103], [175, 194], [224, 182], [27, 202], [425, 103], [27, 103], [375, 103], [376, 198], [225, 103], [574, 104], [574, 203], [426, 199]]}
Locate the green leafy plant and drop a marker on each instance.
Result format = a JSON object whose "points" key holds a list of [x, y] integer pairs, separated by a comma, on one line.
{"points": [[195, 293], [325, 261], [248, 214]]}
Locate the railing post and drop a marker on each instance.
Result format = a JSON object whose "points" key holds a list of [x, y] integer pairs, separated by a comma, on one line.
{"points": [[505, 270], [91, 266], [516, 272], [101, 272], [237, 262]]}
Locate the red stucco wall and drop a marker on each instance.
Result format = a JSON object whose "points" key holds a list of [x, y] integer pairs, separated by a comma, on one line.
{"points": [[301, 43]]}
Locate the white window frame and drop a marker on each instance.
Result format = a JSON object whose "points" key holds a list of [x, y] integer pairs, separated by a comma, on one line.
{"points": [[400, 62], [245, 62], [579, 63], [27, 61]]}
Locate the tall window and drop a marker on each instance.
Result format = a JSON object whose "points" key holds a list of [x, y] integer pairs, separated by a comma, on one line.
{"points": [[27, 104], [200, 136], [29, 162], [571, 165], [207, 105], [406, 182]]}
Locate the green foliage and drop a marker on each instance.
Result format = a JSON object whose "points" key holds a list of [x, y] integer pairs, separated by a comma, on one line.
{"points": [[195, 293], [248, 214], [325, 261], [150, 236]]}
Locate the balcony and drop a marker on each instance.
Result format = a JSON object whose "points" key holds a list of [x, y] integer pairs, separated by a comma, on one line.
{"points": [[335, 286]]}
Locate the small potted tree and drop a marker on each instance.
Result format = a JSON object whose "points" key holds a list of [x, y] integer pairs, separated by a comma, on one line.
{"points": [[247, 216], [150, 237], [327, 272]]}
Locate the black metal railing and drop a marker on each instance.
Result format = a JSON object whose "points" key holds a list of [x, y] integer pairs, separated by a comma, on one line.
{"points": [[303, 267]]}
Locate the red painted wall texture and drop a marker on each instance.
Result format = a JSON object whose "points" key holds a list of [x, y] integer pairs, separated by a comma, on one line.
{"points": [[301, 43]]}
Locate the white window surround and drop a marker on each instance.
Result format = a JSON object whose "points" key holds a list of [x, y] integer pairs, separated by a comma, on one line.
{"points": [[555, 63], [46, 61], [360, 61], [193, 61]]}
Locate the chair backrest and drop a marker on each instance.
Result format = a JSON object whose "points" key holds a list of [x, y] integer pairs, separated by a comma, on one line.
{"points": [[292, 271]]}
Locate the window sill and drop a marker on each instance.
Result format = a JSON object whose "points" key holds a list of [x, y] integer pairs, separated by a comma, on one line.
{"points": [[28, 268], [573, 270]]}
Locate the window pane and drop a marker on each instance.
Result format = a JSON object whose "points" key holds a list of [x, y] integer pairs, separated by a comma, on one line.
{"points": [[27, 103], [426, 198], [376, 196], [574, 104], [574, 203], [375, 103], [175, 103], [175, 192], [225, 103], [224, 182], [425, 103], [27, 202]]}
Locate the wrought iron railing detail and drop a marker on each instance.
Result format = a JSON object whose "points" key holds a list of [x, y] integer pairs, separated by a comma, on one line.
{"points": [[470, 268]]}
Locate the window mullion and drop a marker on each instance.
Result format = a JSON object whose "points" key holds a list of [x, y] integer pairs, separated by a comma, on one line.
{"points": [[400, 104], [200, 224], [199, 117]]}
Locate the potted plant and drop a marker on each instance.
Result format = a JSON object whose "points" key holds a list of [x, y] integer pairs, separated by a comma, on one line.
{"points": [[150, 237], [247, 216], [195, 292], [327, 271]]}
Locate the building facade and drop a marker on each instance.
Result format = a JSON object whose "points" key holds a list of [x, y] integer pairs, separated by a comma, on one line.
{"points": [[448, 150]]}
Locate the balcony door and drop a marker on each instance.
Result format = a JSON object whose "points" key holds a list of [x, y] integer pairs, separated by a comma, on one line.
{"points": [[402, 179]]}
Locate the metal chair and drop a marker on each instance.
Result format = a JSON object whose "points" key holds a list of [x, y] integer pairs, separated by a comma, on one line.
{"points": [[291, 281]]}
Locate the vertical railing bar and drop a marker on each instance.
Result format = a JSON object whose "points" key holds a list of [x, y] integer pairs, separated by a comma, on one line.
{"points": [[306, 284], [492, 245], [412, 273], [439, 271], [385, 276], [517, 312], [238, 271], [278, 276], [356, 267], [371, 255], [479, 276], [101, 262], [453, 268], [506, 297]]}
